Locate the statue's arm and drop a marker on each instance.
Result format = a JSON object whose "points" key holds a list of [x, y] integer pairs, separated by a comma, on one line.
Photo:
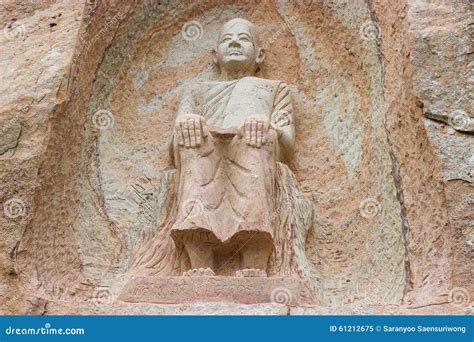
{"points": [[187, 103], [187, 130], [282, 119]]}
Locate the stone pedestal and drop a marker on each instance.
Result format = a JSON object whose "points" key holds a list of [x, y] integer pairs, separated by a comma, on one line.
{"points": [[249, 290]]}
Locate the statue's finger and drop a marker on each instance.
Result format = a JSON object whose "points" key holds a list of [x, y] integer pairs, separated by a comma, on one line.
{"points": [[265, 132], [179, 137], [192, 132], [266, 127], [253, 133], [177, 123], [204, 128], [241, 130], [179, 134], [247, 128], [199, 132], [259, 133], [284, 121], [185, 129]]}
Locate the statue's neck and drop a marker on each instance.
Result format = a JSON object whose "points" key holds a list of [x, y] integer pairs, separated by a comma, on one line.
{"points": [[230, 75]]}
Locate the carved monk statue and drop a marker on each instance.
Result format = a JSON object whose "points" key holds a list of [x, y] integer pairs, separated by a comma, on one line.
{"points": [[237, 205]]}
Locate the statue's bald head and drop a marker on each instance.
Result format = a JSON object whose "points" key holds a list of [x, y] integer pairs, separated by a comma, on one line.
{"points": [[237, 52], [243, 23]]}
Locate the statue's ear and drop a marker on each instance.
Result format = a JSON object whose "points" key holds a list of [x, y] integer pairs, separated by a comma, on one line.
{"points": [[214, 56], [260, 55]]}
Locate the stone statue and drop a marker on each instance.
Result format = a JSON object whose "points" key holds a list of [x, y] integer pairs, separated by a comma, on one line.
{"points": [[236, 207], [227, 142]]}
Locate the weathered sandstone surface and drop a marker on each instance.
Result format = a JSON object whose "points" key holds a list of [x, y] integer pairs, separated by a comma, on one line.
{"points": [[88, 98]]}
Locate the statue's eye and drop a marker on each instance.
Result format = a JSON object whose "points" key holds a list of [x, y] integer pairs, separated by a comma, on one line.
{"points": [[245, 39]]}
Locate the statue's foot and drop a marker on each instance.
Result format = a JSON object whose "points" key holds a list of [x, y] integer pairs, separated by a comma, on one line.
{"points": [[251, 272], [199, 272]]}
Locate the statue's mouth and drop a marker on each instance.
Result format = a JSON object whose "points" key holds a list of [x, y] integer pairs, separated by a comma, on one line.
{"points": [[234, 52]]}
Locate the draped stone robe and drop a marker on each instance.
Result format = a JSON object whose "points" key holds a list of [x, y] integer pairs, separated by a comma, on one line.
{"points": [[226, 186]]}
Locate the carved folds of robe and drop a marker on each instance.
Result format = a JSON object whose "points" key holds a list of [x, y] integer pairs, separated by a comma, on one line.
{"points": [[225, 185]]}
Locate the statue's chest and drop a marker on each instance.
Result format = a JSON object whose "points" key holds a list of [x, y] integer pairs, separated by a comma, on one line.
{"points": [[229, 107]]}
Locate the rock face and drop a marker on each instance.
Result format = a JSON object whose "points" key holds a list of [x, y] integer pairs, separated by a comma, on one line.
{"points": [[440, 32], [38, 41], [87, 108]]}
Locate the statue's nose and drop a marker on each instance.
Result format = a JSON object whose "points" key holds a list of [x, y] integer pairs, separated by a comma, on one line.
{"points": [[234, 42]]}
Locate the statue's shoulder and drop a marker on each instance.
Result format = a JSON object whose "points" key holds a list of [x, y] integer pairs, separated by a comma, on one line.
{"points": [[275, 84], [191, 89], [195, 86], [198, 86], [265, 81]]}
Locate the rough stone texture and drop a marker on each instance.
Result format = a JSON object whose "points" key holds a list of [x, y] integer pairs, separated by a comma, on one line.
{"points": [[248, 290], [388, 228], [61, 308], [441, 33], [37, 43], [441, 39], [104, 308]]}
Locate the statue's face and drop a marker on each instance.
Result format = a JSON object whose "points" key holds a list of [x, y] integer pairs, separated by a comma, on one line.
{"points": [[236, 48]]}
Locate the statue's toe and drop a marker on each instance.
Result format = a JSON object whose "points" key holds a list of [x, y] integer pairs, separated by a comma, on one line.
{"points": [[251, 272], [199, 272]]}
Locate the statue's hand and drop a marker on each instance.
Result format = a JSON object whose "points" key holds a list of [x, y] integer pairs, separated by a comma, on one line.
{"points": [[254, 130], [190, 130]]}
